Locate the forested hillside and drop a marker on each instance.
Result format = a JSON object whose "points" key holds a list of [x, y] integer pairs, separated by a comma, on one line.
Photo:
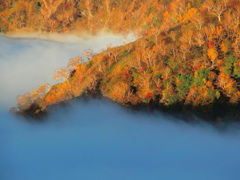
{"points": [[80, 15], [188, 53]]}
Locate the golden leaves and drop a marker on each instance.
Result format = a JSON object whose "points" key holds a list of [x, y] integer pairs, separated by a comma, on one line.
{"points": [[224, 47], [28, 99], [49, 8], [195, 74], [212, 54], [74, 62], [119, 92], [189, 15], [61, 74]]}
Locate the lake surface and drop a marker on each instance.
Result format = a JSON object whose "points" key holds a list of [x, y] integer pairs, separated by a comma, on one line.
{"points": [[97, 139]]}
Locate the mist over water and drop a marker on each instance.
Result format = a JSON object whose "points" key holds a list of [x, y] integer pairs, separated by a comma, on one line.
{"points": [[26, 63], [96, 139]]}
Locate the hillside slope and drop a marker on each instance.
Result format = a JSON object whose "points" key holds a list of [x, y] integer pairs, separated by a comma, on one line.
{"points": [[78, 16], [189, 55]]}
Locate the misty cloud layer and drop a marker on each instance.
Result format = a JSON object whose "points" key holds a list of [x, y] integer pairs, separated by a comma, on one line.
{"points": [[27, 63], [101, 140]]}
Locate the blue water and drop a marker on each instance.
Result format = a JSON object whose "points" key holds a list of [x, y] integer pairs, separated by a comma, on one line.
{"points": [[99, 140]]}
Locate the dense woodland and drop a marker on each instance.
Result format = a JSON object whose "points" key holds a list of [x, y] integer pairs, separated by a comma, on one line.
{"points": [[78, 15], [187, 54]]}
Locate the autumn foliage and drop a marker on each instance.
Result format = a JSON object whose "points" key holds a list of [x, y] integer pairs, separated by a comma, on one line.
{"points": [[188, 53]]}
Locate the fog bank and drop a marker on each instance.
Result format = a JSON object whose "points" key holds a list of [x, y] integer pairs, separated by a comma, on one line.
{"points": [[101, 140], [26, 63]]}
